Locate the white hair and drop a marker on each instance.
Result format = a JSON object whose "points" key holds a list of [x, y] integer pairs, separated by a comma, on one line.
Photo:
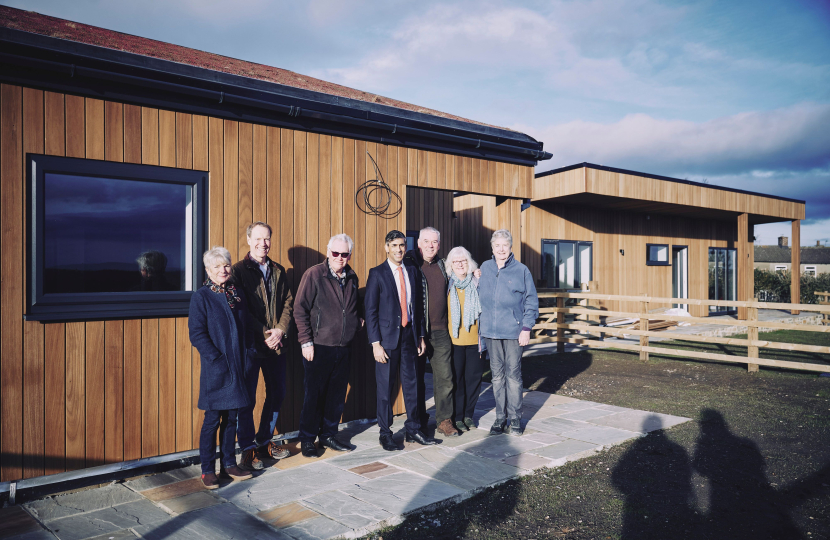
{"points": [[459, 252], [214, 253], [502, 233], [341, 238], [429, 229]]}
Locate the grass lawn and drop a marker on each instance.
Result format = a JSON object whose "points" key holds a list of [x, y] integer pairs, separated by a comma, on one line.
{"points": [[754, 463]]}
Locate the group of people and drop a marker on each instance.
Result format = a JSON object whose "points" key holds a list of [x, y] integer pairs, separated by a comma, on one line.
{"points": [[416, 307]]}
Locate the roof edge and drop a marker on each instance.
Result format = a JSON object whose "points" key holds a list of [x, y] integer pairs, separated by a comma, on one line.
{"points": [[132, 60], [666, 178]]}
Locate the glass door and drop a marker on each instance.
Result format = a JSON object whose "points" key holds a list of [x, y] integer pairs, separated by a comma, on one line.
{"points": [[680, 274], [723, 277]]}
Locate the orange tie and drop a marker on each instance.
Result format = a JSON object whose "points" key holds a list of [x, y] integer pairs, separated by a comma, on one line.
{"points": [[404, 310]]}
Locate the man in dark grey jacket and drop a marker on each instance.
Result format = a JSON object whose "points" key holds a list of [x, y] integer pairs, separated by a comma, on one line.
{"points": [[327, 312], [509, 308]]}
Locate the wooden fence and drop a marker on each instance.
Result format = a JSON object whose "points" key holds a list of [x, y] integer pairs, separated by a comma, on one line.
{"points": [[553, 318], [824, 300]]}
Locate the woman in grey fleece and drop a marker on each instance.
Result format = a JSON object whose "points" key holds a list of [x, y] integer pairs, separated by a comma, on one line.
{"points": [[509, 308]]}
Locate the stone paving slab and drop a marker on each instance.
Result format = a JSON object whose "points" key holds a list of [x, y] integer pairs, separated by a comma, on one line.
{"points": [[527, 461], [467, 437], [641, 421], [319, 528], [222, 522], [188, 503], [402, 493], [285, 516], [457, 468], [273, 490], [601, 435], [501, 446], [374, 470], [586, 414], [346, 509], [568, 450], [144, 483], [177, 489], [70, 504], [123, 534], [122, 516], [556, 425]]}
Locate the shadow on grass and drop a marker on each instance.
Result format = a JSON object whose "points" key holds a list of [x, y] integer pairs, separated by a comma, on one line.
{"points": [[655, 476]]}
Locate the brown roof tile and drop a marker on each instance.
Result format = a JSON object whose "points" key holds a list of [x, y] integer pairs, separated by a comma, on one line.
{"points": [[29, 21]]}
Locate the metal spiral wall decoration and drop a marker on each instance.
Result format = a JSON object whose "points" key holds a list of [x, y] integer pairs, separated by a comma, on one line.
{"points": [[387, 205]]}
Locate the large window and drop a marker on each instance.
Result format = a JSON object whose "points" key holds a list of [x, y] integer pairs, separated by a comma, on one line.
{"points": [[723, 282], [566, 264], [113, 240]]}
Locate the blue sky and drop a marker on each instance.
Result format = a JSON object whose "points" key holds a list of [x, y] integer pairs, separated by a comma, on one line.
{"points": [[735, 93]]}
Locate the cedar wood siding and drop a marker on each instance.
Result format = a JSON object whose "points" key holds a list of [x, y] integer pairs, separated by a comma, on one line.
{"points": [[80, 394]]}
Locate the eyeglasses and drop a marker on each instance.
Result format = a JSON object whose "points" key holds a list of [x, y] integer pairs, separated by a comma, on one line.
{"points": [[460, 261], [338, 254]]}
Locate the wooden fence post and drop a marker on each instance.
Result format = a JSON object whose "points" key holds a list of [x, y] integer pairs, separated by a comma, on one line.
{"points": [[643, 326], [560, 320], [752, 335]]}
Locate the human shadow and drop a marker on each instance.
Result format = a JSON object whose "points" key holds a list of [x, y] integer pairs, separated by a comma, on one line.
{"points": [[742, 503], [548, 373], [655, 477]]}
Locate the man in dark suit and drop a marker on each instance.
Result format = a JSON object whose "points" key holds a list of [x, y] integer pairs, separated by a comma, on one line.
{"points": [[395, 324]]}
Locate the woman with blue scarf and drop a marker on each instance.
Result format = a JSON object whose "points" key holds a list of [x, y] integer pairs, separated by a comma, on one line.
{"points": [[464, 310]]}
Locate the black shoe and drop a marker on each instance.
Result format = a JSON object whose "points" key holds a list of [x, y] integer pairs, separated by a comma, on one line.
{"points": [[420, 438], [498, 427], [387, 443], [308, 449], [334, 444]]}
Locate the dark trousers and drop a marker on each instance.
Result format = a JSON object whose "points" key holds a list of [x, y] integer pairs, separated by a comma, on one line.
{"points": [[326, 381], [273, 376], [403, 359], [225, 423], [439, 350], [468, 367]]}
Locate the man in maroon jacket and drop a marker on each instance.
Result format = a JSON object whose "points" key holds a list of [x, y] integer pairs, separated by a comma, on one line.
{"points": [[327, 311]]}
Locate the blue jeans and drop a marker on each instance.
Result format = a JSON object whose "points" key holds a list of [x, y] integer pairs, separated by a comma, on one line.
{"points": [[225, 422], [506, 369], [273, 374]]}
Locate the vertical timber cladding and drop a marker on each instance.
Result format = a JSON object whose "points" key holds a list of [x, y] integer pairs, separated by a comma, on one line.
{"points": [[615, 230], [111, 391]]}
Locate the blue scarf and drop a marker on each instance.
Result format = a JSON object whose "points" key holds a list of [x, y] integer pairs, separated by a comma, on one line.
{"points": [[472, 305]]}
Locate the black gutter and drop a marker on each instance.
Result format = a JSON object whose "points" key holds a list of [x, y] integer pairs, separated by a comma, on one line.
{"points": [[666, 178], [55, 64]]}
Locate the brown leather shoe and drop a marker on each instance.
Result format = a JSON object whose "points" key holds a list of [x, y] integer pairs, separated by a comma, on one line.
{"points": [[210, 481], [236, 473], [250, 462], [446, 428]]}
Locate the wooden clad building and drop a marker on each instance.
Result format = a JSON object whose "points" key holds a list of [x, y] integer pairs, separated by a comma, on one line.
{"points": [[90, 378], [633, 233]]}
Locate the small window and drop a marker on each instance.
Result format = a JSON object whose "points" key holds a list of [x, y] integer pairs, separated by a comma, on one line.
{"points": [[810, 270], [780, 267], [113, 240], [657, 254], [566, 264]]}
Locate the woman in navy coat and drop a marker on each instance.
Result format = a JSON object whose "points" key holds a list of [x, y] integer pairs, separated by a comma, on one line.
{"points": [[220, 332]]}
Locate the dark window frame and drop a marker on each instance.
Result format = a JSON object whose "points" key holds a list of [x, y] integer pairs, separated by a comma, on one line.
{"points": [[650, 262], [115, 305], [577, 265]]}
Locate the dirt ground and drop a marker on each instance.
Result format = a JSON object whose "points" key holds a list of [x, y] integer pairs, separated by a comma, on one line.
{"points": [[754, 463]]}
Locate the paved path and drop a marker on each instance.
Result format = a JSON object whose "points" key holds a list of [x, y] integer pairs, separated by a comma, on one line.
{"points": [[336, 494]]}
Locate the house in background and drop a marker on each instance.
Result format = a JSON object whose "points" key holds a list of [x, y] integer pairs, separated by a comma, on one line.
{"points": [[633, 233], [815, 260]]}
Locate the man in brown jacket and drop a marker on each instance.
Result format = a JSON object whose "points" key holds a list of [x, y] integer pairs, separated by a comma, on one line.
{"points": [[270, 305], [328, 314]]}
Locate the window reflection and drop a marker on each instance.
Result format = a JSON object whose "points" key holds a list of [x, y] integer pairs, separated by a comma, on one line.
{"points": [[115, 235]]}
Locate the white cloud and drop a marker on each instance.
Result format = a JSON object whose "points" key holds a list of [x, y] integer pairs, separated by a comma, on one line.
{"points": [[792, 138]]}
